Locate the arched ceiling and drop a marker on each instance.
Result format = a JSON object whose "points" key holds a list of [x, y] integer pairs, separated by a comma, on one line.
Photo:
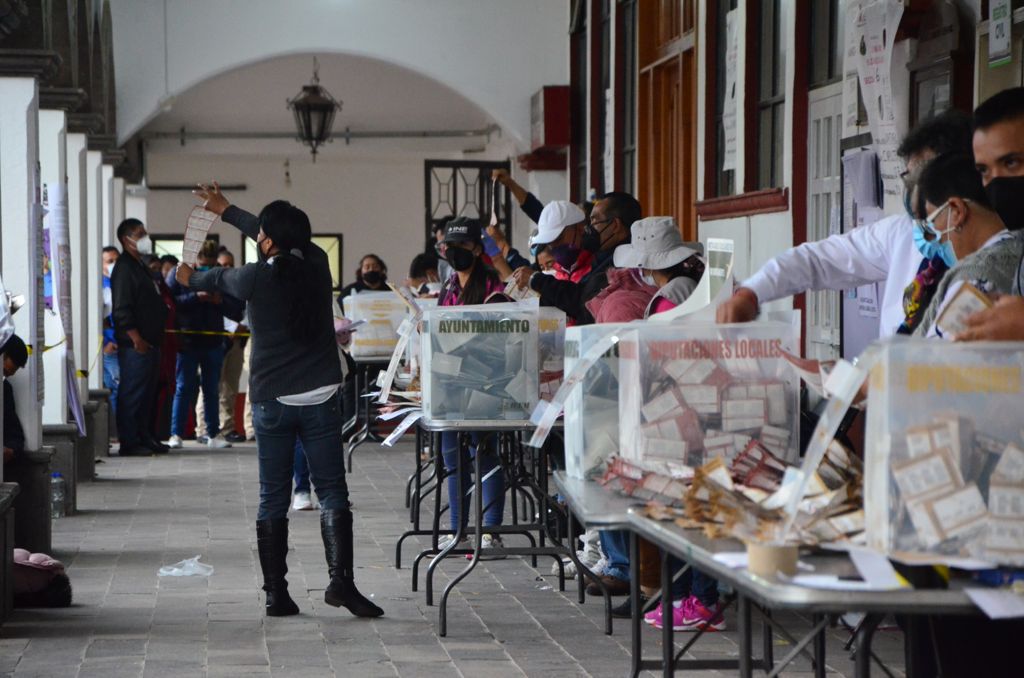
{"points": [[375, 96]]}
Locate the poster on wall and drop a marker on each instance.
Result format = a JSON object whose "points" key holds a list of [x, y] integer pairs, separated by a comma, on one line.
{"points": [[874, 31], [729, 102], [609, 141], [1000, 17]]}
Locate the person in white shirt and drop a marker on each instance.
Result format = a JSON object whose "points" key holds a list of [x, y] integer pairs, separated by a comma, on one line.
{"points": [[884, 251]]}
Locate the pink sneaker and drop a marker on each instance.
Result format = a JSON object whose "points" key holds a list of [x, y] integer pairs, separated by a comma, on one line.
{"points": [[655, 616], [696, 617]]}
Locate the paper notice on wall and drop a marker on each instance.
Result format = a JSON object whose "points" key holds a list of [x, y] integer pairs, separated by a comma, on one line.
{"points": [[867, 301], [60, 255], [196, 228], [729, 101], [719, 253], [876, 26], [1000, 17]]}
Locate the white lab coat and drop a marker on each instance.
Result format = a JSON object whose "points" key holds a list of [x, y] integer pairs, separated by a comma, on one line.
{"points": [[880, 252]]}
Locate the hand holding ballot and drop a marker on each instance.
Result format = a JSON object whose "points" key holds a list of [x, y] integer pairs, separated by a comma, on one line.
{"points": [[213, 200], [1004, 321]]}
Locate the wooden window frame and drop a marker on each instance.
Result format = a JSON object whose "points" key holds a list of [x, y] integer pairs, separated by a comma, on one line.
{"points": [[578, 71], [753, 200], [626, 95]]}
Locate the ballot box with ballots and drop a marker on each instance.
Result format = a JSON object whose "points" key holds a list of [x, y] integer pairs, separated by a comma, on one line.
{"points": [[592, 407], [944, 456], [382, 312], [694, 391], [479, 363], [550, 349]]}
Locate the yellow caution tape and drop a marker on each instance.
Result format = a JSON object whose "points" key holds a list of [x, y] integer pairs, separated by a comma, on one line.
{"points": [[46, 348]]}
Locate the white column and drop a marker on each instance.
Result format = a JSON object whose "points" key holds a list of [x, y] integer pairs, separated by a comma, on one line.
{"points": [[78, 204], [135, 203], [20, 216], [117, 205], [108, 225], [96, 240], [53, 171]]}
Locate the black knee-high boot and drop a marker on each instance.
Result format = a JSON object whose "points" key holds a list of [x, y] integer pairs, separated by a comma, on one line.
{"points": [[336, 528], [272, 545]]}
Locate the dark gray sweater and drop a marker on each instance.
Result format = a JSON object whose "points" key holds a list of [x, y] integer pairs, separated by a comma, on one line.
{"points": [[279, 365]]}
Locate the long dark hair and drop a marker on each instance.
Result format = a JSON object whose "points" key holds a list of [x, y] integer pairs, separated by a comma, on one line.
{"points": [[288, 227], [481, 277]]}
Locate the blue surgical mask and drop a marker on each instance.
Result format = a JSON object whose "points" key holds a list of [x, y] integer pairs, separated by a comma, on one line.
{"points": [[929, 249], [945, 247], [203, 268]]}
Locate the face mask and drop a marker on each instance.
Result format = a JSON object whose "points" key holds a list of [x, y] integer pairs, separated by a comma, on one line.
{"points": [[373, 277], [1006, 195], [593, 240], [946, 250], [108, 270], [929, 249], [565, 255], [460, 259], [433, 287], [552, 272], [203, 268], [648, 278], [144, 245]]}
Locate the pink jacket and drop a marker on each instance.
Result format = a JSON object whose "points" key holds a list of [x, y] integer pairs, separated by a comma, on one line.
{"points": [[624, 300]]}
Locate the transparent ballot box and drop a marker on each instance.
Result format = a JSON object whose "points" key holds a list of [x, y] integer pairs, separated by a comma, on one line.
{"points": [[592, 408], [691, 392], [479, 363], [383, 313], [551, 349], [944, 458]]}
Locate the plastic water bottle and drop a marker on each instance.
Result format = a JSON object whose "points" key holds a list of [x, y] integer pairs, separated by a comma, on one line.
{"points": [[57, 493]]}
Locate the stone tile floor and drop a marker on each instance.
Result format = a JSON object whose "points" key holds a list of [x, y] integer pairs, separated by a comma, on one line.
{"points": [[506, 619]]}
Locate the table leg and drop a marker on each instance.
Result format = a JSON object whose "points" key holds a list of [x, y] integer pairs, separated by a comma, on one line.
{"points": [[459, 524], [819, 649], [745, 640], [667, 642], [635, 623], [767, 645], [862, 644], [478, 503], [435, 530]]}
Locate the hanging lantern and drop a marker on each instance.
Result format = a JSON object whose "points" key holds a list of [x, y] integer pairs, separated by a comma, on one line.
{"points": [[314, 110]]}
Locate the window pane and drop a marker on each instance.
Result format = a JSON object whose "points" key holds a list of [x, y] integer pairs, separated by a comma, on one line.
{"points": [[764, 148], [331, 244], [778, 133], [172, 246]]}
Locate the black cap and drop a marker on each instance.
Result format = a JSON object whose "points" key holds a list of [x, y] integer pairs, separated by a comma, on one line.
{"points": [[463, 229]]}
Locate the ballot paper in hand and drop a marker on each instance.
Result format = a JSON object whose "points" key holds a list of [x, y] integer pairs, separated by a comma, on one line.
{"points": [[964, 301], [196, 228]]}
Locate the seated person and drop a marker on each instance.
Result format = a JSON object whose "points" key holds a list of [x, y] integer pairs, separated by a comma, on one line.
{"points": [[15, 356], [424, 279], [972, 238]]}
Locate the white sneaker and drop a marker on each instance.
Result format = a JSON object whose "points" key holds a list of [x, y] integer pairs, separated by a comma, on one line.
{"points": [[490, 541], [217, 442], [587, 558], [174, 442], [302, 502], [444, 541]]}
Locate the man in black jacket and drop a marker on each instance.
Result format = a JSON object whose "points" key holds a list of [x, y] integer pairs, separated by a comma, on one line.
{"points": [[15, 355], [139, 315], [610, 221]]}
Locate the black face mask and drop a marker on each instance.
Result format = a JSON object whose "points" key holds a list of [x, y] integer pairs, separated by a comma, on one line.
{"points": [[1006, 196], [593, 240], [460, 259], [373, 278]]}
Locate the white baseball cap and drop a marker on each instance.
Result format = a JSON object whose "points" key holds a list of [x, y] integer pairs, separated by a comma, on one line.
{"points": [[656, 245], [556, 216]]}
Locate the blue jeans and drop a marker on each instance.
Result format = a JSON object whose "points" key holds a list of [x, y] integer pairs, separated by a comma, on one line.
{"points": [[111, 377], [318, 428], [615, 545], [135, 393], [208, 362], [301, 469], [493, 479]]}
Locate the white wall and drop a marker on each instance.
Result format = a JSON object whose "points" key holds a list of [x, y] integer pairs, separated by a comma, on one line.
{"points": [[376, 202], [460, 43]]}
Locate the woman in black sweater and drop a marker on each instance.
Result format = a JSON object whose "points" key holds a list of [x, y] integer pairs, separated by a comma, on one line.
{"points": [[294, 377]]}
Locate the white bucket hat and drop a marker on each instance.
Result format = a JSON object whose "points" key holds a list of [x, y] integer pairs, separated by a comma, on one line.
{"points": [[556, 216], [656, 245]]}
